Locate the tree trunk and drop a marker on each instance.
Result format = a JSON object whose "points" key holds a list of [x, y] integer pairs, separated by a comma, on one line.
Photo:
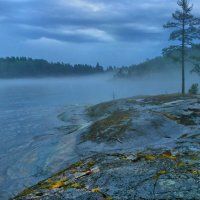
{"points": [[183, 59], [183, 70]]}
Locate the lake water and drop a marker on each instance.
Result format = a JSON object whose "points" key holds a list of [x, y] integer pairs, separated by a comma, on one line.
{"points": [[28, 120]]}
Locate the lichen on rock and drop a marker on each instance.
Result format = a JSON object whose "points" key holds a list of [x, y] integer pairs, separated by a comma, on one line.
{"points": [[133, 149], [111, 128]]}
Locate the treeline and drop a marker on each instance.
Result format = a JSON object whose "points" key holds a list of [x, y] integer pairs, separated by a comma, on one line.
{"points": [[150, 66], [165, 65], [20, 67]]}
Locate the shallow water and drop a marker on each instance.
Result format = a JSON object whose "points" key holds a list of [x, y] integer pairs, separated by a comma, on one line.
{"points": [[31, 146]]}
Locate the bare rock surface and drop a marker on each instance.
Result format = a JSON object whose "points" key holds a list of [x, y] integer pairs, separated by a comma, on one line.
{"points": [[138, 148]]}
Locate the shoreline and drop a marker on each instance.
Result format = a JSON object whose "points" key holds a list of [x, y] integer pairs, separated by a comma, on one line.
{"points": [[138, 134]]}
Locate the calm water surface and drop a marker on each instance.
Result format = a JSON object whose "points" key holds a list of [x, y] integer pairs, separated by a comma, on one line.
{"points": [[28, 121]]}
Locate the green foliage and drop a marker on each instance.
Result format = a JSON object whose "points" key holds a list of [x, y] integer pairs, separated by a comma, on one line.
{"points": [[196, 69], [185, 30], [194, 89], [168, 63], [152, 66], [109, 129], [19, 67], [185, 25]]}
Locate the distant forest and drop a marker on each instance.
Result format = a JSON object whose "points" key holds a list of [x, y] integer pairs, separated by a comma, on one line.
{"points": [[22, 67], [165, 65]]}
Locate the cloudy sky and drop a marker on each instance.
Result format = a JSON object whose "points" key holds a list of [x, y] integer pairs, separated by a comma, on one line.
{"points": [[112, 32]]}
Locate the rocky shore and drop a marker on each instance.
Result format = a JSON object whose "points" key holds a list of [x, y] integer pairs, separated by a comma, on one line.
{"points": [[145, 147]]}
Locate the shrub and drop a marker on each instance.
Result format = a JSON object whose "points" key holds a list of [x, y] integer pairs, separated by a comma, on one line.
{"points": [[194, 89]]}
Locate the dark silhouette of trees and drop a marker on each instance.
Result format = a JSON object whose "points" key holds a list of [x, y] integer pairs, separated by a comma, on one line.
{"points": [[186, 30], [20, 67], [196, 69], [98, 67]]}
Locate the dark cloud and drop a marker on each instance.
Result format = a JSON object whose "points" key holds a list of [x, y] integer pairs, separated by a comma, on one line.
{"points": [[86, 21], [79, 14]]}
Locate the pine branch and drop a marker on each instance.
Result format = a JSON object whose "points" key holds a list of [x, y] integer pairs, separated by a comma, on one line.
{"points": [[172, 25], [196, 69], [171, 50]]}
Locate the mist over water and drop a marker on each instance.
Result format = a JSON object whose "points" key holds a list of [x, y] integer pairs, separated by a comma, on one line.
{"points": [[29, 109]]}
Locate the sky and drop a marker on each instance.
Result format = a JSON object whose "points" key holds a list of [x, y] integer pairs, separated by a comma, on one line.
{"points": [[111, 32]]}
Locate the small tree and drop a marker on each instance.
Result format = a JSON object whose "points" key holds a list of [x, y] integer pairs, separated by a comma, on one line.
{"points": [[194, 89], [98, 67], [196, 69], [186, 30]]}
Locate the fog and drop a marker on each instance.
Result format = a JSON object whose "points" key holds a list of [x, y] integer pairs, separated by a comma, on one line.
{"points": [[89, 89], [29, 109]]}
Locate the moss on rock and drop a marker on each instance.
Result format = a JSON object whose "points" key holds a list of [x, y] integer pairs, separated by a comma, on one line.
{"points": [[109, 129]]}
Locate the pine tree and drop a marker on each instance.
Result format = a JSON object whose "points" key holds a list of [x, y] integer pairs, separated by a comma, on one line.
{"points": [[186, 30]]}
